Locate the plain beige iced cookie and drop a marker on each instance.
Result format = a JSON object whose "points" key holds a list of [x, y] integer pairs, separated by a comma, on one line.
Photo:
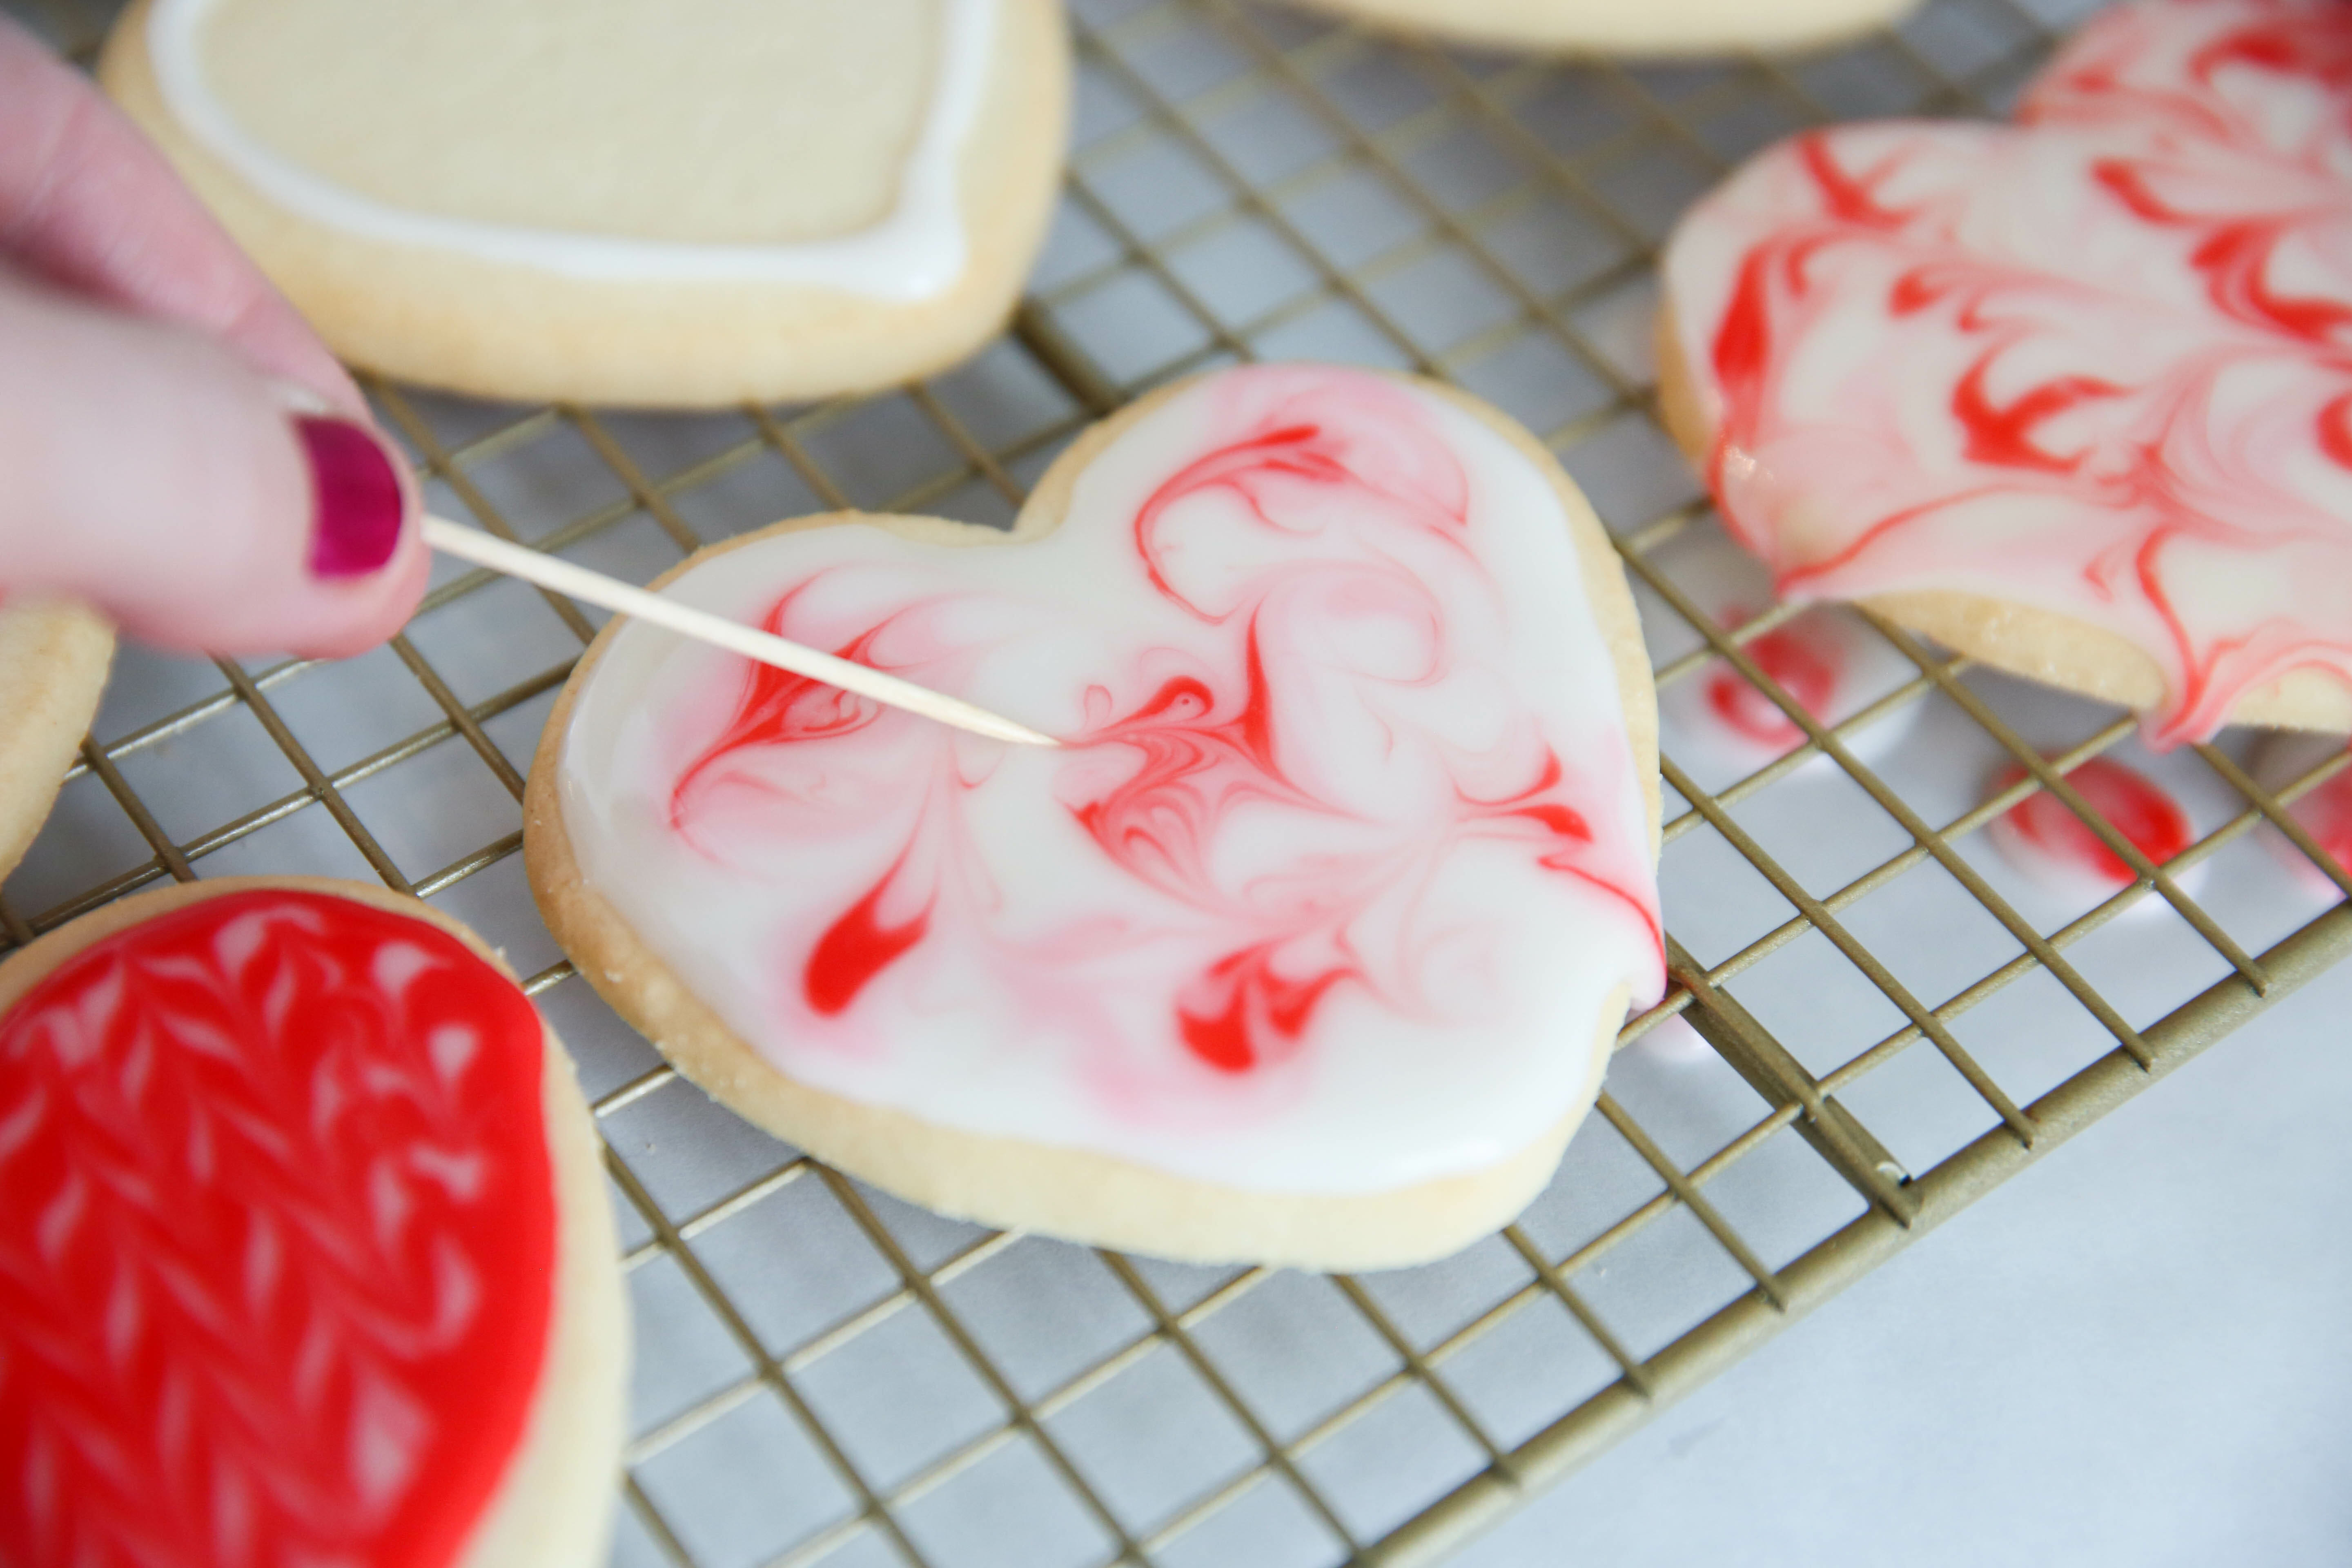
{"points": [[1660, 27], [653, 947], [53, 664], [347, 1233], [652, 201]]}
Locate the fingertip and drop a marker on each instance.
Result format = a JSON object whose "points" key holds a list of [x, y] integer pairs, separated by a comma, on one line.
{"points": [[365, 612], [204, 506]]}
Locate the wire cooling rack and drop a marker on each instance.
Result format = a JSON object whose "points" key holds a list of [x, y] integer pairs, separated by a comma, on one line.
{"points": [[1873, 1019]]}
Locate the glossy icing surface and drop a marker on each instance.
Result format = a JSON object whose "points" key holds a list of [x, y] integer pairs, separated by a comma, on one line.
{"points": [[916, 251], [2098, 363], [2042, 837], [276, 1265], [1341, 858]]}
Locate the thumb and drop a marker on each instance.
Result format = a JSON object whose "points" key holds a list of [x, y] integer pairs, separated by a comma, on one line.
{"points": [[200, 505]]}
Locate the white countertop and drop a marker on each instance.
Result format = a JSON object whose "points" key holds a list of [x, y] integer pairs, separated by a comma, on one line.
{"points": [[2134, 1353]]}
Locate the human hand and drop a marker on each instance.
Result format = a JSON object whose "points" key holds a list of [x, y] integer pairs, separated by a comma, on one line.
{"points": [[176, 447]]}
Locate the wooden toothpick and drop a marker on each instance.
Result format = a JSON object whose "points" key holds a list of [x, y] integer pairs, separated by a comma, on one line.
{"points": [[595, 588]]}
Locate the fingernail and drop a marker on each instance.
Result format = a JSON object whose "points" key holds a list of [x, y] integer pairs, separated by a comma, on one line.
{"points": [[355, 498], [297, 398]]}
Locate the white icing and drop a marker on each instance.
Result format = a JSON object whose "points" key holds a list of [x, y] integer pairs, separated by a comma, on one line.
{"points": [[917, 252], [1399, 672]]}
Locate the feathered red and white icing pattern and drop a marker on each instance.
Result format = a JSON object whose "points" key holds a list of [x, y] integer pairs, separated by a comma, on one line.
{"points": [[1342, 853], [276, 1240], [2099, 362]]}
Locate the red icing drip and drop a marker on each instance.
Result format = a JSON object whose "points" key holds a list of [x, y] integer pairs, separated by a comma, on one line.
{"points": [[1803, 658], [857, 947], [275, 1277], [2122, 439], [2134, 804]]}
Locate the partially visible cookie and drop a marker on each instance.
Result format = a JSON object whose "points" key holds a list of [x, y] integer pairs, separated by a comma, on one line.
{"points": [[1658, 27], [53, 664], [2071, 395], [1305, 947], [656, 202], [305, 1251]]}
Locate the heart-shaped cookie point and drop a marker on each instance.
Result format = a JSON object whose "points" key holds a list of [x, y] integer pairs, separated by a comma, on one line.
{"points": [[2074, 394], [282, 1244], [1331, 896]]}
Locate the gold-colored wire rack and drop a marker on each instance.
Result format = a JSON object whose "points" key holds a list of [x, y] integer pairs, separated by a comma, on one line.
{"points": [[1892, 1023]]}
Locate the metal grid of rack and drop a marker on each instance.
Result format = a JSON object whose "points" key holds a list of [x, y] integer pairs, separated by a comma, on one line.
{"points": [[1891, 1022]]}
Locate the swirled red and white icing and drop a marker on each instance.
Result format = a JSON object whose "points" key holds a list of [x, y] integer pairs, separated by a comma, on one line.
{"points": [[1342, 858], [2097, 363], [277, 1241]]}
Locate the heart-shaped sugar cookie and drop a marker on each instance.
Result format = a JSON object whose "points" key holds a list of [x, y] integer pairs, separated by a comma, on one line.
{"points": [[304, 1256], [1306, 944], [2075, 394], [682, 201]]}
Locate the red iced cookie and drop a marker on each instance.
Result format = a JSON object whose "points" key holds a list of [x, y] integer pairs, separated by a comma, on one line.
{"points": [[283, 1216]]}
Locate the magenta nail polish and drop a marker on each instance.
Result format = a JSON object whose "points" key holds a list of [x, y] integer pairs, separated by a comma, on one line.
{"points": [[355, 498]]}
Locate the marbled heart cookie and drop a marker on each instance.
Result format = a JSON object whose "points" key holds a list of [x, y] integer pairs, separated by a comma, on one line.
{"points": [[52, 665], [662, 202], [2073, 396], [1308, 943], [305, 1254]]}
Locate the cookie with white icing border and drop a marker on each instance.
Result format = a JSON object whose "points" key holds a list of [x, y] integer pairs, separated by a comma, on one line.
{"points": [[305, 1251], [1309, 944], [53, 663], [2070, 395], [665, 204], [1661, 27]]}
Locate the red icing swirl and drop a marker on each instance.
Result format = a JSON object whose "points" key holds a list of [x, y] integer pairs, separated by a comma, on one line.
{"points": [[276, 1271], [1319, 502], [2099, 363]]}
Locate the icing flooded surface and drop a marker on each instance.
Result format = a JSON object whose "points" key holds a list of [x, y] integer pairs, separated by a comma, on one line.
{"points": [[284, 1289], [1339, 862]]}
